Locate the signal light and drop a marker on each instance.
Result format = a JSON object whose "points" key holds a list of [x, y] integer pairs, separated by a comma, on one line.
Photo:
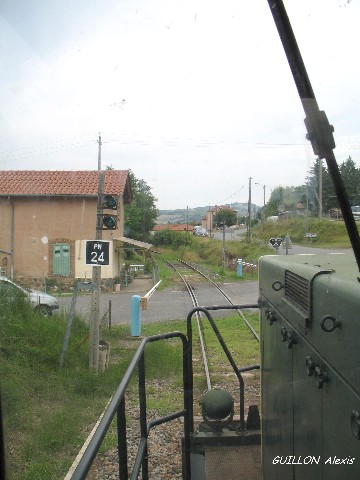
{"points": [[107, 221], [109, 202]]}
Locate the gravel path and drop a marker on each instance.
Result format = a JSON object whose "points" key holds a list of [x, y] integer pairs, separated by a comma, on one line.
{"points": [[164, 449]]}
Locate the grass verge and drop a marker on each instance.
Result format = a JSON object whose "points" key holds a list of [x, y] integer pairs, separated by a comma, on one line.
{"points": [[329, 233], [49, 411]]}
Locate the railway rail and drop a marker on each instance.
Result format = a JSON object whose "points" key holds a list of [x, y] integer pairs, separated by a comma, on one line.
{"points": [[245, 428], [182, 268], [189, 274]]}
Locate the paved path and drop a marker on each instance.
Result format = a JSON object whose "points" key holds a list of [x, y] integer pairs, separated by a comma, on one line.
{"points": [[300, 249], [168, 304]]}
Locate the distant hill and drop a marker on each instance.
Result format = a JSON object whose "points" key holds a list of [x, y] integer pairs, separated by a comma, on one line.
{"points": [[194, 215]]}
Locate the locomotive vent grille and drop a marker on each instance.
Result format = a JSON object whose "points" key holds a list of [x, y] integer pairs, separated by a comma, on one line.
{"points": [[297, 291]]}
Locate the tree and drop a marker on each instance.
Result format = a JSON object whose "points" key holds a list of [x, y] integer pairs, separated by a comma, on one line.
{"points": [[285, 199], [225, 215], [141, 214], [328, 196], [351, 178]]}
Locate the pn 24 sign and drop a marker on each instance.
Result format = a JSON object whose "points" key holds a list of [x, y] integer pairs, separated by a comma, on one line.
{"points": [[97, 252]]}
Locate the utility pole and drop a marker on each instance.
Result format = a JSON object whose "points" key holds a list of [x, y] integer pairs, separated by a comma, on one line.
{"points": [[263, 212], [320, 188], [264, 187], [96, 278], [223, 245], [99, 152], [249, 211], [263, 209]]}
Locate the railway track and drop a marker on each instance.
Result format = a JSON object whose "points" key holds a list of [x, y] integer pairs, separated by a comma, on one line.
{"points": [[183, 268], [164, 441], [190, 276]]}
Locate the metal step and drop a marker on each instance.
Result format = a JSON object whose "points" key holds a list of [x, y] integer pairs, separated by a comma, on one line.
{"points": [[226, 451], [226, 456], [233, 463], [227, 463]]}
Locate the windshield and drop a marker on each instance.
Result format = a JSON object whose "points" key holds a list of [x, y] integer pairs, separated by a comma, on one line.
{"points": [[188, 85], [186, 108]]}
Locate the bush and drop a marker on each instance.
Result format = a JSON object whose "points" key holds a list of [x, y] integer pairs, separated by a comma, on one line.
{"points": [[46, 409], [171, 238]]}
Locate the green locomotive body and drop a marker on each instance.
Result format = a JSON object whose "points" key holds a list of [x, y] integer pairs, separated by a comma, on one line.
{"points": [[310, 367]]}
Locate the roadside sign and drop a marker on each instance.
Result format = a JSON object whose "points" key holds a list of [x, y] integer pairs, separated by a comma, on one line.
{"points": [[287, 243], [97, 252], [275, 242], [311, 235]]}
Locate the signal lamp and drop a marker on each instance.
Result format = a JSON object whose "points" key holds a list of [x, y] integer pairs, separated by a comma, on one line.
{"points": [[109, 222], [109, 202]]}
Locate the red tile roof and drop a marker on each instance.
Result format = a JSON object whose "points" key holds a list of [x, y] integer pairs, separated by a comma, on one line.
{"points": [[53, 182]]}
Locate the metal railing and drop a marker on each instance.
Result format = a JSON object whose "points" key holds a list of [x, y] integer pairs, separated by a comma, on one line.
{"points": [[236, 370], [117, 407]]}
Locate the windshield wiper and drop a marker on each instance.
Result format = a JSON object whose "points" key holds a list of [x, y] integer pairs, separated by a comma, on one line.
{"points": [[319, 130]]}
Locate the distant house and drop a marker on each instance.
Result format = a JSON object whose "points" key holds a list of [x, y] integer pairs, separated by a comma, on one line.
{"points": [[46, 217], [299, 208], [208, 220], [298, 211]]}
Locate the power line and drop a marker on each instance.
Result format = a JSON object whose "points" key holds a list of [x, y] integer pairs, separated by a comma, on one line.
{"points": [[230, 196], [43, 152], [23, 152], [51, 142]]}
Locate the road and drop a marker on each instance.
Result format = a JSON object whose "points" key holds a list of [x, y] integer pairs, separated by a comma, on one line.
{"points": [[174, 304], [299, 249], [168, 304], [230, 234]]}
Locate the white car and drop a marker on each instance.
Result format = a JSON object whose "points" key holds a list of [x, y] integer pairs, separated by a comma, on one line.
{"points": [[40, 301], [200, 232], [356, 211]]}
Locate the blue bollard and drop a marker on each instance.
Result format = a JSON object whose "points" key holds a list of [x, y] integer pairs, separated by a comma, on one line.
{"points": [[135, 316], [239, 267]]}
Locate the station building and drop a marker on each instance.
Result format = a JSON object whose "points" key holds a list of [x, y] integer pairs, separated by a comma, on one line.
{"points": [[46, 218]]}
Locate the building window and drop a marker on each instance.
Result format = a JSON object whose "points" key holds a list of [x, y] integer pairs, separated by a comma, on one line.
{"points": [[61, 259]]}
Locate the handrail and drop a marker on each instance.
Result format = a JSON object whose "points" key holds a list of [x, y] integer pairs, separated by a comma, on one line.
{"points": [[117, 407], [236, 370]]}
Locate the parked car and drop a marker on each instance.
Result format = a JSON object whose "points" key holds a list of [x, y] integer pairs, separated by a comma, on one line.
{"points": [[200, 231], [356, 211], [40, 301]]}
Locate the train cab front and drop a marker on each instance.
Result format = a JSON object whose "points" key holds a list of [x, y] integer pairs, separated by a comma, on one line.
{"points": [[310, 395]]}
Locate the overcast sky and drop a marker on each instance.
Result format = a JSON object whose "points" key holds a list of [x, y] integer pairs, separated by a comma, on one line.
{"points": [[194, 96]]}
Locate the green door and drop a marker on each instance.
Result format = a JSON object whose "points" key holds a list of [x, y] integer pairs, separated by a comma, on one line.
{"points": [[61, 262]]}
